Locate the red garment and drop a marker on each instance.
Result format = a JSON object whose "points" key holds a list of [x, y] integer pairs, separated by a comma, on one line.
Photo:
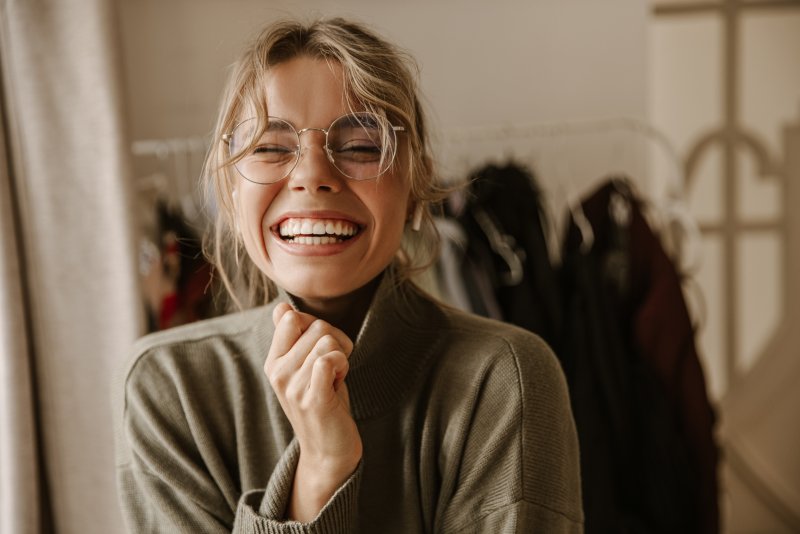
{"points": [[664, 335], [169, 305]]}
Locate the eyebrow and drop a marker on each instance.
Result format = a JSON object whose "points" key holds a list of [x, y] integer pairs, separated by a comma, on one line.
{"points": [[278, 125], [360, 120]]}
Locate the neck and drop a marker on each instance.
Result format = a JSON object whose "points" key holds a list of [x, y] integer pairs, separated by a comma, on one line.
{"points": [[346, 312]]}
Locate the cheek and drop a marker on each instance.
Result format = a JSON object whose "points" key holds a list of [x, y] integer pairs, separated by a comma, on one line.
{"points": [[254, 201], [394, 212]]}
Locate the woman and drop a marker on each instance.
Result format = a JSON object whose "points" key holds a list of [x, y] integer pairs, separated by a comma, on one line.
{"points": [[352, 401]]}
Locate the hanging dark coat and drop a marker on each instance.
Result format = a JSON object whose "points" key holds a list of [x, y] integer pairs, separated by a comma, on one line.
{"points": [[504, 201], [644, 421]]}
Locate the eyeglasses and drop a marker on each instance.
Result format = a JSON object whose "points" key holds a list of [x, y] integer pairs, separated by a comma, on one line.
{"points": [[362, 146]]}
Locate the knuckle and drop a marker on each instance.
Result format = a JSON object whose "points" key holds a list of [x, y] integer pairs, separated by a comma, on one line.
{"points": [[307, 403], [327, 343], [279, 381], [331, 361], [291, 318], [324, 363], [277, 376], [318, 327], [295, 394]]}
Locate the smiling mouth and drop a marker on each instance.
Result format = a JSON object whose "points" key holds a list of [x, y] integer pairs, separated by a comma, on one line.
{"points": [[317, 231]]}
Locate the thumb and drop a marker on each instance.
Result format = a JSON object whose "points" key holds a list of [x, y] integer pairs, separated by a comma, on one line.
{"points": [[279, 311]]}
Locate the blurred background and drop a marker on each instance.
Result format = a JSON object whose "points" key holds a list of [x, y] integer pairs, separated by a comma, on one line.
{"points": [[108, 106]]}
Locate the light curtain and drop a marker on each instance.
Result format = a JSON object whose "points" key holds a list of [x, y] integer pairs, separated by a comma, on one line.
{"points": [[19, 473], [69, 302]]}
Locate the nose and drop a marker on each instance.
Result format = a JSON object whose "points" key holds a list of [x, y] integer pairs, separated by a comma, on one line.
{"points": [[314, 172]]}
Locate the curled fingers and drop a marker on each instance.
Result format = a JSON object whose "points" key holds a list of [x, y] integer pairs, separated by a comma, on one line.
{"points": [[321, 372], [298, 338], [327, 375]]}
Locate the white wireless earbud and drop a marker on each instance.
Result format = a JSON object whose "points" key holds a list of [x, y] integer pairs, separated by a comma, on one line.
{"points": [[416, 222]]}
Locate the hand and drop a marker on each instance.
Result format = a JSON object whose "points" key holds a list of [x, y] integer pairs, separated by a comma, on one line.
{"points": [[306, 366]]}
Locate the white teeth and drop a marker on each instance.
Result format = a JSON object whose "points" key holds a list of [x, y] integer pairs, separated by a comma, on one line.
{"points": [[316, 231], [314, 240]]}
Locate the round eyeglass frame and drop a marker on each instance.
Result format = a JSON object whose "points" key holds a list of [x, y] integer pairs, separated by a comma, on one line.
{"points": [[227, 138]]}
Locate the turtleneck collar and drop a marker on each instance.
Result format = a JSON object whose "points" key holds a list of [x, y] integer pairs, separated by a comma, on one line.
{"points": [[393, 346]]}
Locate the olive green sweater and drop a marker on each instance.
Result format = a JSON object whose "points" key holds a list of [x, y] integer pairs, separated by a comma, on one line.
{"points": [[465, 422]]}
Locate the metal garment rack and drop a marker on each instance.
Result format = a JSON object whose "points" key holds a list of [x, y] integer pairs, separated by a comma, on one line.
{"points": [[182, 152], [672, 207], [572, 129], [178, 162]]}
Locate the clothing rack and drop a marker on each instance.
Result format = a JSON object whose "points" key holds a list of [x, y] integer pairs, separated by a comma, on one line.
{"points": [[662, 168], [572, 129], [171, 167], [586, 126]]}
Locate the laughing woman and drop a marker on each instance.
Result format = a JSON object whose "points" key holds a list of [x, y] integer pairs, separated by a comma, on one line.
{"points": [[351, 401]]}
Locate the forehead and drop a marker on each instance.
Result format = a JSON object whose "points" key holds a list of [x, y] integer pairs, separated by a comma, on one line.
{"points": [[308, 92]]}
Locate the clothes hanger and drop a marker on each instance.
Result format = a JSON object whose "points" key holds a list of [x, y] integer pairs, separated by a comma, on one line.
{"points": [[503, 245], [564, 175]]}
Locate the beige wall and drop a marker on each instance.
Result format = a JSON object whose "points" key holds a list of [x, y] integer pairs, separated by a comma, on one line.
{"points": [[508, 62], [754, 377]]}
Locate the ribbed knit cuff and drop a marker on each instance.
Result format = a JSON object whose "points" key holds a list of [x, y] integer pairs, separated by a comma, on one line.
{"points": [[279, 488], [263, 511]]}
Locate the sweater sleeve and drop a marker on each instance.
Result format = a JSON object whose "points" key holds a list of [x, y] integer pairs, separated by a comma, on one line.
{"points": [[519, 469], [260, 511], [167, 478], [173, 477]]}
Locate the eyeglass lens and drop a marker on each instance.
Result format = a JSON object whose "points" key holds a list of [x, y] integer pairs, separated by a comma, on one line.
{"points": [[360, 145]]}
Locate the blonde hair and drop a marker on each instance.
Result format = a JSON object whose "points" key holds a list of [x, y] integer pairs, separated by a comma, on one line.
{"points": [[378, 77]]}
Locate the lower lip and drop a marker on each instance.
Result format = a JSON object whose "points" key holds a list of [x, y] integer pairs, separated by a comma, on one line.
{"points": [[315, 250]]}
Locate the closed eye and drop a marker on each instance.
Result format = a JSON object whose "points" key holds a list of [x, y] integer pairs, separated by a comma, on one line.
{"points": [[359, 150], [272, 153]]}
